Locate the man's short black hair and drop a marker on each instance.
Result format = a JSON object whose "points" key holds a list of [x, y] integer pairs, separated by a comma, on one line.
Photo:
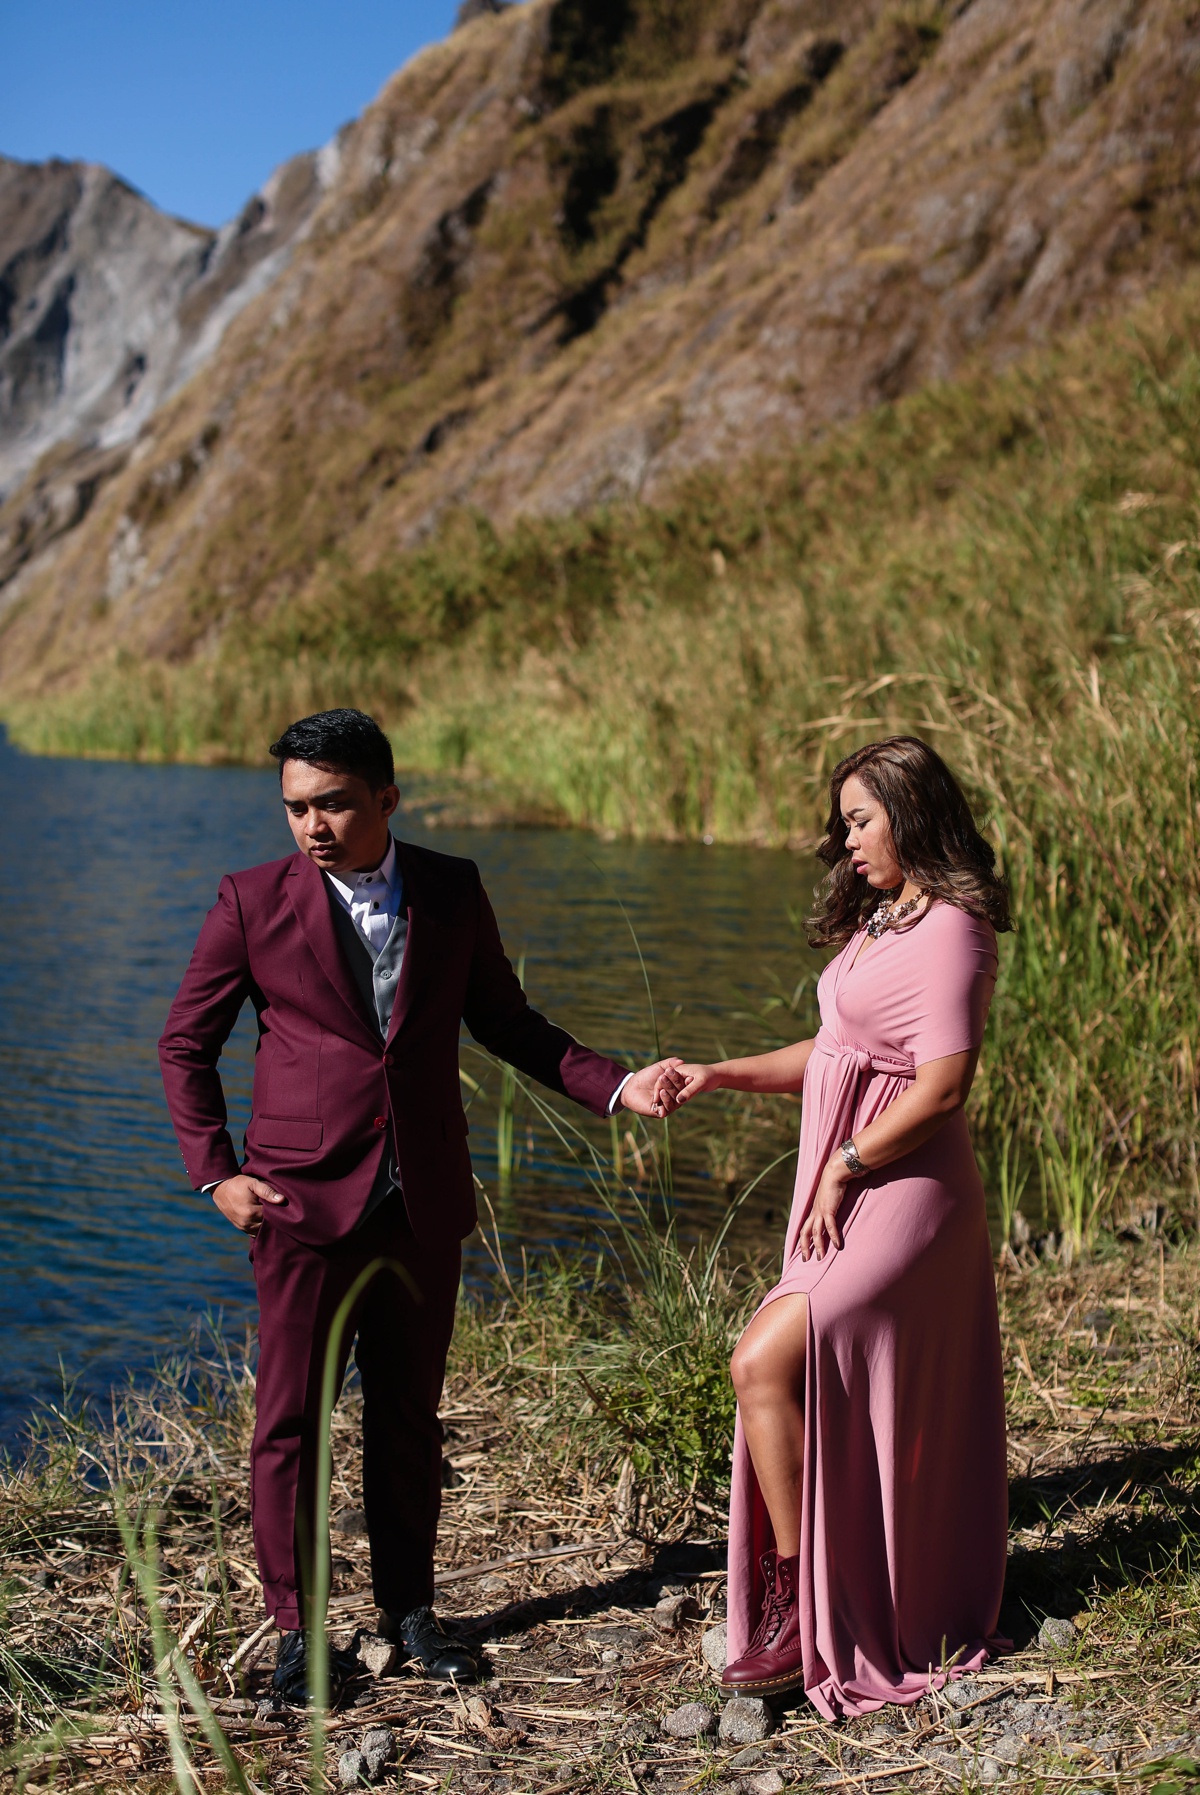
{"points": [[345, 741]]}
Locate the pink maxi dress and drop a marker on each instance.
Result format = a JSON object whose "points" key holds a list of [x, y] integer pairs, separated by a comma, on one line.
{"points": [[904, 1510]]}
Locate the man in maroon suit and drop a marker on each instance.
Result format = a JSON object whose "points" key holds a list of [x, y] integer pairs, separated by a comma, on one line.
{"points": [[362, 955]]}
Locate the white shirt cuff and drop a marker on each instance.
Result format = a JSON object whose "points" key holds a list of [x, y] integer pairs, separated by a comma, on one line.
{"points": [[616, 1096]]}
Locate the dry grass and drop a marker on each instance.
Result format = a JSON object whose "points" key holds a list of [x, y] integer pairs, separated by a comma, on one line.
{"points": [[550, 1562]]}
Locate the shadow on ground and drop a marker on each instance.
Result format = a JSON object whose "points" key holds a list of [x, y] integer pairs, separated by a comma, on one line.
{"points": [[637, 1588], [1108, 1524]]}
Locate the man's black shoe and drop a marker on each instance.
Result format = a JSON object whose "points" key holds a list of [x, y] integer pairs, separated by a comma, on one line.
{"points": [[290, 1678], [421, 1636]]}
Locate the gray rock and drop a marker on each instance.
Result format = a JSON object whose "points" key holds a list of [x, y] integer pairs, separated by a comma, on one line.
{"points": [[378, 1749], [989, 1770], [673, 1612], [1056, 1635], [692, 1721], [762, 1782], [1008, 1748], [714, 1648], [352, 1770], [618, 1636], [958, 1694], [351, 1520], [747, 1758], [376, 1655], [745, 1720]]}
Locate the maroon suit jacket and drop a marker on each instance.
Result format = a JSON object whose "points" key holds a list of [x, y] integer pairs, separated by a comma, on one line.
{"points": [[328, 1091]]}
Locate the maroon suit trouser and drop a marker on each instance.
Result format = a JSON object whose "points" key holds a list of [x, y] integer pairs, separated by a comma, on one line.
{"points": [[403, 1322]]}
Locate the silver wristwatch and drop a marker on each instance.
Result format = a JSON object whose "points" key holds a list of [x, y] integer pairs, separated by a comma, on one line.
{"points": [[850, 1154]]}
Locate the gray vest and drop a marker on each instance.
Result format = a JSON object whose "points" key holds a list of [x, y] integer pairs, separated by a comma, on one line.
{"points": [[377, 975]]}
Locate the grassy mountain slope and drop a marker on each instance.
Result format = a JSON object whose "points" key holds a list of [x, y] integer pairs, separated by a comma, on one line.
{"points": [[580, 249]]}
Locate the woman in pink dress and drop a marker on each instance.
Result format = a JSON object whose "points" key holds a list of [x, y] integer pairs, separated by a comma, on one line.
{"points": [[868, 1519]]}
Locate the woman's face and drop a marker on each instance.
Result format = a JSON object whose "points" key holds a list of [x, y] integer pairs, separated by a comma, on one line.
{"points": [[869, 837]]}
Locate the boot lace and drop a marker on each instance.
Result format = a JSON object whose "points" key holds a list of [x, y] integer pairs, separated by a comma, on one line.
{"points": [[774, 1610]]}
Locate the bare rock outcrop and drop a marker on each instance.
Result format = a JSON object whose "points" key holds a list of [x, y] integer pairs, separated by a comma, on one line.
{"points": [[108, 306]]}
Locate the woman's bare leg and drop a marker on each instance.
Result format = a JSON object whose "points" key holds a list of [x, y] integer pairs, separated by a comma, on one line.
{"points": [[768, 1374]]}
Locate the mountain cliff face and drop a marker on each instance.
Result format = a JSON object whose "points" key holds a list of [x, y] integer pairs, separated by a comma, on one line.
{"points": [[108, 306], [573, 252]]}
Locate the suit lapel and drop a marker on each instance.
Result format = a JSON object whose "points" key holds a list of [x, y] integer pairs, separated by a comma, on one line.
{"points": [[421, 925], [310, 901]]}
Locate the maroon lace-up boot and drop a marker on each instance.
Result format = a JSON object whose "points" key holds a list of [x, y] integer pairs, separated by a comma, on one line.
{"points": [[774, 1659]]}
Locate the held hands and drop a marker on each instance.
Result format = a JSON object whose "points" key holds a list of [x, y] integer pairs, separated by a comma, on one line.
{"points": [[819, 1231], [652, 1091], [241, 1200], [687, 1081]]}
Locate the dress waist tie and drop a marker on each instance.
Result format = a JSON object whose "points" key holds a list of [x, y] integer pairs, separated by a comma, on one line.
{"points": [[851, 1060]]}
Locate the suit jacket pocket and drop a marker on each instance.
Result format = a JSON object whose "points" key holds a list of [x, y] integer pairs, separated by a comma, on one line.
{"points": [[299, 1132]]}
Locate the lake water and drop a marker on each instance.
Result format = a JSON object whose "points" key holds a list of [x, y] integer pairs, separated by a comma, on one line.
{"points": [[107, 1256]]}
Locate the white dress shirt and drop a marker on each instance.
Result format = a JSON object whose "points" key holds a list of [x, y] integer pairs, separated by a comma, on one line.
{"points": [[372, 899]]}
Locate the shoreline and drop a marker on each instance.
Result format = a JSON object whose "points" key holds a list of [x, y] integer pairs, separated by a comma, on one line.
{"points": [[450, 803]]}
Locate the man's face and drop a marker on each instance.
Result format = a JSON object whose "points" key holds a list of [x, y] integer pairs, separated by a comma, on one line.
{"points": [[337, 820]]}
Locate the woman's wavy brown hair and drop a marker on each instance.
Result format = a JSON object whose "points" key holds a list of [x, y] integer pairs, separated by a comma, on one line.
{"points": [[934, 833]]}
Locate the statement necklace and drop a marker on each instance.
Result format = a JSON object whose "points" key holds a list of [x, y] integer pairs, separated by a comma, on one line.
{"points": [[890, 915]]}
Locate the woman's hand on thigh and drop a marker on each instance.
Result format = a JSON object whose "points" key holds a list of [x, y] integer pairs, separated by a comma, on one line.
{"points": [[819, 1231]]}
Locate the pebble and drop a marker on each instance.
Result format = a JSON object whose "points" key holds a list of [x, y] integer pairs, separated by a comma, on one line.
{"points": [[1056, 1635], [714, 1648], [352, 1769], [989, 1770], [351, 1520], [692, 1721], [745, 1720], [673, 1611], [377, 1655], [747, 1758], [378, 1750], [1008, 1747], [763, 1782], [959, 1693]]}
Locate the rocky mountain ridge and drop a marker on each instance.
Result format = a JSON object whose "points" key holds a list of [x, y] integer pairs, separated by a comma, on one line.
{"points": [[579, 249], [108, 306]]}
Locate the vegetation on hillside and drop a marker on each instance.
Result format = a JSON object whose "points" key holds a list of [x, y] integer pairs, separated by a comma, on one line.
{"points": [[1010, 565]]}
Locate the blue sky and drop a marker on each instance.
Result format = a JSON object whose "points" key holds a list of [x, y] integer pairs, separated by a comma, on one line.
{"points": [[196, 103]]}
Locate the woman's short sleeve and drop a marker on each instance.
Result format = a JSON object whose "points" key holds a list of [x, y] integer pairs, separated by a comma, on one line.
{"points": [[952, 997]]}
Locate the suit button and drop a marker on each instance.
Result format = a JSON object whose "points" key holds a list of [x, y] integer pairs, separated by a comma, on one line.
{"points": [[381, 1121], [385, 972], [389, 1059]]}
